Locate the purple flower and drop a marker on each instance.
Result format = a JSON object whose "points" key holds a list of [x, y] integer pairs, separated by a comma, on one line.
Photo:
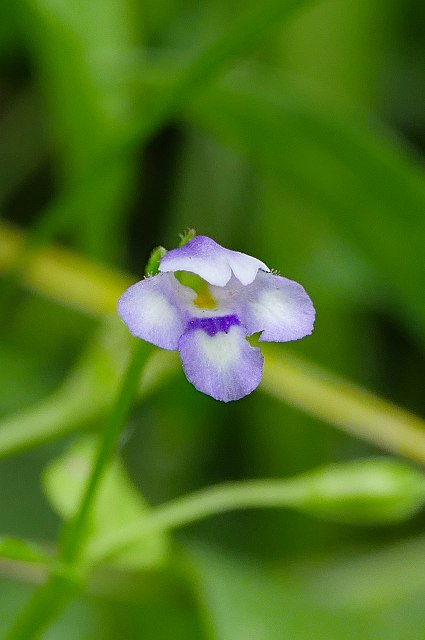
{"points": [[230, 297]]}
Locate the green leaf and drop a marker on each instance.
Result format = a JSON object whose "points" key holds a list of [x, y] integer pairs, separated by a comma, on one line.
{"points": [[96, 376], [243, 600], [96, 105], [21, 550], [378, 595], [76, 47], [369, 185], [117, 502], [379, 578], [383, 587]]}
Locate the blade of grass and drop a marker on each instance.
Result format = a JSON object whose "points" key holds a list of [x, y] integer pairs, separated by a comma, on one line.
{"points": [[368, 184], [206, 65], [68, 43]]}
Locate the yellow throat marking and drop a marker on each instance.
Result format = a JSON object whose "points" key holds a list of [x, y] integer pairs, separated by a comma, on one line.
{"points": [[204, 299]]}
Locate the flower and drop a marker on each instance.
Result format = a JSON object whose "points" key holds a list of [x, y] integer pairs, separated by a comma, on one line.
{"points": [[204, 302]]}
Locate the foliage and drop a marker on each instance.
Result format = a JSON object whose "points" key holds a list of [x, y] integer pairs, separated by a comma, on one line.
{"points": [[287, 129]]}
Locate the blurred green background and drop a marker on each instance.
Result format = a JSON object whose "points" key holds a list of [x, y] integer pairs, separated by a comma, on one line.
{"points": [[292, 131]]}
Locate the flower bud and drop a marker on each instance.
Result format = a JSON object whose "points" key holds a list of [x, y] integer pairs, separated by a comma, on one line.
{"points": [[372, 491]]}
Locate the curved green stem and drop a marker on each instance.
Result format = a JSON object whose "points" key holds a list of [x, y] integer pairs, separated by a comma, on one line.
{"points": [[202, 504], [376, 490]]}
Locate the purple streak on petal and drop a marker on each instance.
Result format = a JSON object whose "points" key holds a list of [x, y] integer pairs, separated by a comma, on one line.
{"points": [[157, 309], [211, 326], [212, 262], [278, 307], [222, 365]]}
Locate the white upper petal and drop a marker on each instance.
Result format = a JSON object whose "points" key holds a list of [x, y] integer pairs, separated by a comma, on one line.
{"points": [[212, 262], [157, 309]]}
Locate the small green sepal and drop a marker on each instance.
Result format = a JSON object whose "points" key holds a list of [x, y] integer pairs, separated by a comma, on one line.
{"points": [[152, 266], [188, 234]]}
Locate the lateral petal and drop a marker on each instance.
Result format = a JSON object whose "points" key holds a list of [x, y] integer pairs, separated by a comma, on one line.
{"points": [[275, 305], [157, 309]]}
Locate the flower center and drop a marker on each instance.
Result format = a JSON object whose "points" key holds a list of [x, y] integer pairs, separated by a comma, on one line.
{"points": [[212, 326], [204, 299]]}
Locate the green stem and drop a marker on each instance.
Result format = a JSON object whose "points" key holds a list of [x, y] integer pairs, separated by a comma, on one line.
{"points": [[49, 600], [45, 605], [202, 504], [74, 534], [58, 273], [336, 401], [366, 491]]}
